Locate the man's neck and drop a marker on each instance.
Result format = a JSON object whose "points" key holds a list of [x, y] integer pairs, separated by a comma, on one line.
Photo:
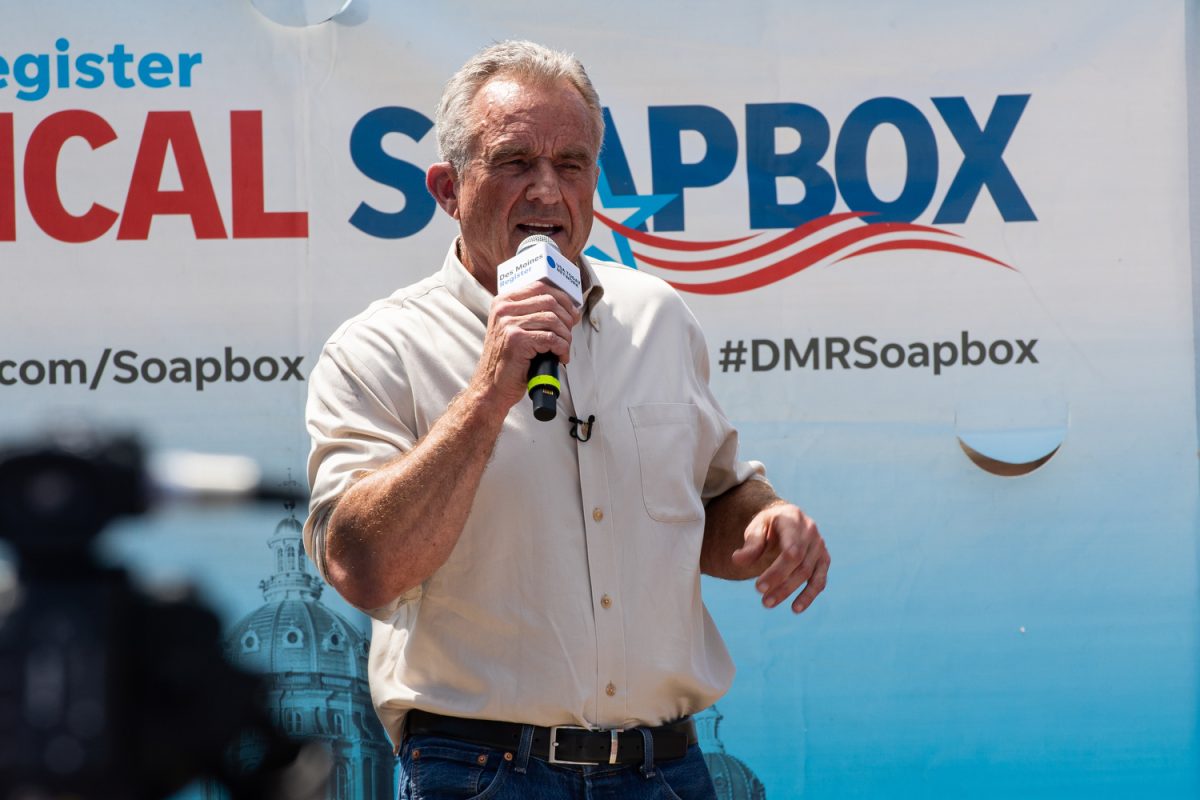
{"points": [[487, 281]]}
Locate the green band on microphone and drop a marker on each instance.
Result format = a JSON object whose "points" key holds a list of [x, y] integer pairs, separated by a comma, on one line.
{"points": [[543, 380]]}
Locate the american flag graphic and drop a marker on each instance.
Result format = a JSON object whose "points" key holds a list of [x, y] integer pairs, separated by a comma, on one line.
{"points": [[729, 266]]}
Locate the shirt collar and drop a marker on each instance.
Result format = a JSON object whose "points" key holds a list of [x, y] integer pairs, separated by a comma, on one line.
{"points": [[595, 289], [463, 286], [470, 292]]}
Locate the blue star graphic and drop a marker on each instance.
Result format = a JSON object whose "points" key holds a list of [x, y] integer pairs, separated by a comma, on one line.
{"points": [[647, 205]]}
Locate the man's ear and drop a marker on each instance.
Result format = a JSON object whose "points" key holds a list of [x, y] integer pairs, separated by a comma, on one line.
{"points": [[441, 181]]}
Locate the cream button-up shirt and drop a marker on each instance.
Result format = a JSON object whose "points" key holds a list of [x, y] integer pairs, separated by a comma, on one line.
{"points": [[573, 594]]}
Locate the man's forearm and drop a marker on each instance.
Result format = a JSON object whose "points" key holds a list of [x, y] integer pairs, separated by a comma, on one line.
{"points": [[725, 521], [396, 526], [393, 528]]}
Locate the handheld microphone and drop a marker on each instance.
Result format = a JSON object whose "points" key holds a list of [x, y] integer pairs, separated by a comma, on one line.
{"points": [[538, 259]]}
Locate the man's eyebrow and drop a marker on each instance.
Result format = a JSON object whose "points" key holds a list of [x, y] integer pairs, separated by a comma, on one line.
{"points": [[506, 151], [575, 154]]}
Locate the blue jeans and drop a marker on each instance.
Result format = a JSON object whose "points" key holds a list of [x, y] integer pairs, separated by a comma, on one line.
{"points": [[435, 768]]}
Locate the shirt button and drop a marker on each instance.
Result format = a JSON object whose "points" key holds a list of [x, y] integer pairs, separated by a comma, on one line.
{"points": [[606, 601], [610, 690], [597, 513]]}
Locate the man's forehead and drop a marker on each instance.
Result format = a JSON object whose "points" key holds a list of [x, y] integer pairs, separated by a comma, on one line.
{"points": [[511, 111], [505, 95], [499, 91]]}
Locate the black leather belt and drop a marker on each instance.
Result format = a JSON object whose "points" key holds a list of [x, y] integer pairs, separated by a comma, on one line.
{"points": [[562, 744]]}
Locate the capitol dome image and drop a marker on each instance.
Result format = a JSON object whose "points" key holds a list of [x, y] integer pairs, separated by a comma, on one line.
{"points": [[732, 779], [315, 662]]}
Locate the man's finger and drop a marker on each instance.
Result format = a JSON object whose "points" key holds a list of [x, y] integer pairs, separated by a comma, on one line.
{"points": [[544, 321], [788, 561], [754, 544], [518, 309], [543, 297], [816, 585], [803, 572]]}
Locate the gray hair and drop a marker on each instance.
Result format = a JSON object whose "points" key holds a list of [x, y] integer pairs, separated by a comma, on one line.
{"points": [[455, 131]]}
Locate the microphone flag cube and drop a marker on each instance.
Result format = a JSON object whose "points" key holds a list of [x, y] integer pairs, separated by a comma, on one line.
{"points": [[540, 261]]}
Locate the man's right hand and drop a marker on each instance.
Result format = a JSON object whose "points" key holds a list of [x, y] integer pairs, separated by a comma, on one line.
{"points": [[533, 319]]}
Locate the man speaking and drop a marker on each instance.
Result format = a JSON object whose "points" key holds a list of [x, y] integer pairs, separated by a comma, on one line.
{"points": [[535, 584]]}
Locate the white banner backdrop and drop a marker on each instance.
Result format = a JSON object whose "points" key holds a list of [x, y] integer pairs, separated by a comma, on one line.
{"points": [[941, 252]]}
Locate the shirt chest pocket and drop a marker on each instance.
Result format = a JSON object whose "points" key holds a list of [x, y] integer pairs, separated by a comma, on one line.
{"points": [[667, 437]]}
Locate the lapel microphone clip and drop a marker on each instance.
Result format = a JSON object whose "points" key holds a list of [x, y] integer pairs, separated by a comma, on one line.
{"points": [[586, 425]]}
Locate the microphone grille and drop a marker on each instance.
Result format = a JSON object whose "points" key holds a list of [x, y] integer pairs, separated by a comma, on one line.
{"points": [[537, 238]]}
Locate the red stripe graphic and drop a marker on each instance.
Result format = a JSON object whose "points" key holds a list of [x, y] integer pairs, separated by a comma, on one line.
{"points": [[917, 244], [790, 237], [772, 246], [794, 263]]}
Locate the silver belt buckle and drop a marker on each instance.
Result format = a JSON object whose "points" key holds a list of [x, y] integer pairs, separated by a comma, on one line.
{"points": [[554, 759]]}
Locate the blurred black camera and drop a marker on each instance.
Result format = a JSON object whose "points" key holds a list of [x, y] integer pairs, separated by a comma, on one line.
{"points": [[106, 691]]}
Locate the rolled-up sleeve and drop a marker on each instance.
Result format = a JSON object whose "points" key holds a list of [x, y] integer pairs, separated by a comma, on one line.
{"points": [[355, 428]]}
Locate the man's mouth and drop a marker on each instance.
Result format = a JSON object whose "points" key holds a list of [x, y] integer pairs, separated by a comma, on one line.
{"points": [[532, 228]]}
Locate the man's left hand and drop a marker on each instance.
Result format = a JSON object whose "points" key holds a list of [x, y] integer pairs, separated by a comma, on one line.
{"points": [[801, 559]]}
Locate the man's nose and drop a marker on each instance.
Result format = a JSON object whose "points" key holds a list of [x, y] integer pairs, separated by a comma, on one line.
{"points": [[544, 186]]}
